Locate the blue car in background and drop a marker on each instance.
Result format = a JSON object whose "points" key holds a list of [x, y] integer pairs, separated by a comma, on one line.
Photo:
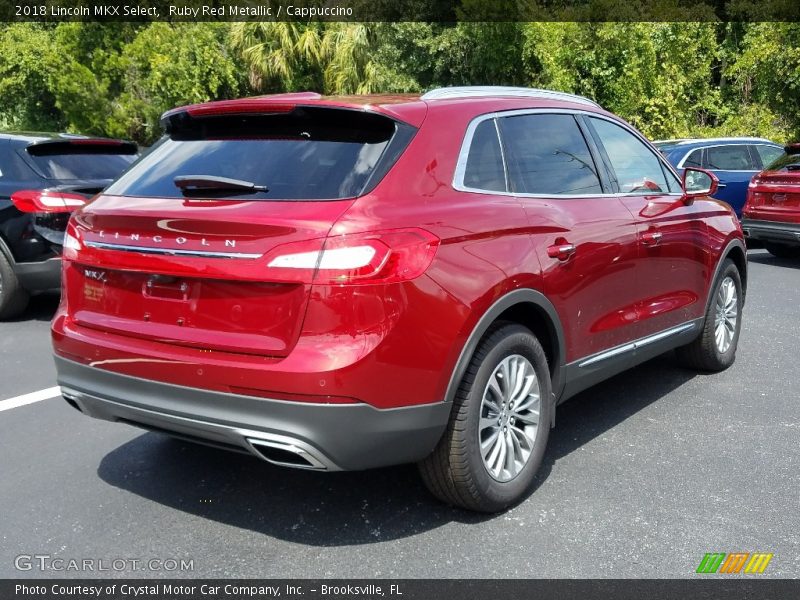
{"points": [[733, 160]]}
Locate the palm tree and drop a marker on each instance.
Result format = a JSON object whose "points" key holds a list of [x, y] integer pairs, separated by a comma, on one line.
{"points": [[334, 57]]}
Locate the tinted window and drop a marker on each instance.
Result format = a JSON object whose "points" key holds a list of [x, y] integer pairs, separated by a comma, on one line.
{"points": [[547, 154], [82, 166], [695, 159], [730, 158], [786, 161], [13, 168], [768, 154], [313, 154], [484, 170], [637, 168]]}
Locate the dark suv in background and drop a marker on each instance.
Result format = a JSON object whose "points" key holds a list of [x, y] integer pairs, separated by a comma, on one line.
{"points": [[43, 178]]}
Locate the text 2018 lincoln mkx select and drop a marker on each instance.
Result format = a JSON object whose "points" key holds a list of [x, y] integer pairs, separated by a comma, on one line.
{"points": [[347, 283]]}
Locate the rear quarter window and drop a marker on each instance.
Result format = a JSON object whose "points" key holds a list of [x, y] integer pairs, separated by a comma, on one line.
{"points": [[484, 170]]}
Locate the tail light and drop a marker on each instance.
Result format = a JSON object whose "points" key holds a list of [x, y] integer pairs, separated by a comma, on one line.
{"points": [[754, 197], [72, 243], [368, 258], [45, 201]]}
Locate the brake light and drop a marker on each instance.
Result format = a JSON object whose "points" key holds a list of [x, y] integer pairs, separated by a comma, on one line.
{"points": [[232, 107], [368, 258], [45, 201]]}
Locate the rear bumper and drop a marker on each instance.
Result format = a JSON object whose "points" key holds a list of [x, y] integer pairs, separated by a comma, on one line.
{"points": [[318, 436], [39, 276], [772, 231]]}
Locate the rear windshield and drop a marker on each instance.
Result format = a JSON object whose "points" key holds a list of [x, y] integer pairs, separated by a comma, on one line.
{"points": [[308, 154], [82, 166], [787, 161]]}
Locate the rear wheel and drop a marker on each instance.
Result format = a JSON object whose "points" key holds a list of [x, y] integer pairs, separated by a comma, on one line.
{"points": [[13, 298], [715, 347], [782, 250], [499, 425]]}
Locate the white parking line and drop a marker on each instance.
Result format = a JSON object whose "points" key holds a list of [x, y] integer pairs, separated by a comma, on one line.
{"points": [[18, 401]]}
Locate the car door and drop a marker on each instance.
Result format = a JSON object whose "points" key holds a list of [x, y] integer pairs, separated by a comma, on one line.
{"points": [[583, 234], [672, 235], [734, 165]]}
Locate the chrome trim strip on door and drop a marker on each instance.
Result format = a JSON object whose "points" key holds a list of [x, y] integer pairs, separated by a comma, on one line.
{"points": [[630, 347]]}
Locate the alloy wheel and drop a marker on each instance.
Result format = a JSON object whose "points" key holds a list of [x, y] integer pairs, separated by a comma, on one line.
{"points": [[727, 315], [509, 417]]}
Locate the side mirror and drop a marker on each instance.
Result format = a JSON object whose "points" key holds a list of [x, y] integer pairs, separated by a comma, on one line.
{"points": [[698, 182]]}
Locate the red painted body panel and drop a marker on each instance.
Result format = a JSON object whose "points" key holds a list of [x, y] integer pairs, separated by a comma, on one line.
{"points": [[774, 196], [389, 345]]}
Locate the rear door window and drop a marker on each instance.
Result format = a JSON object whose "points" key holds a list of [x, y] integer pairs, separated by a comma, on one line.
{"points": [[309, 154], [548, 155], [735, 157]]}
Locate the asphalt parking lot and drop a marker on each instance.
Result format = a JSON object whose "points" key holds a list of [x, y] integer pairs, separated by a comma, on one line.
{"points": [[644, 474]]}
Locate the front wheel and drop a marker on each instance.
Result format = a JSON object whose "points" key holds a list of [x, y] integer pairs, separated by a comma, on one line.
{"points": [[495, 440], [715, 347]]}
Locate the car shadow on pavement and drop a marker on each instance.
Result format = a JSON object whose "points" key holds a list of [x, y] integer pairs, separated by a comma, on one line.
{"points": [[41, 307], [765, 258], [599, 409], [340, 509]]}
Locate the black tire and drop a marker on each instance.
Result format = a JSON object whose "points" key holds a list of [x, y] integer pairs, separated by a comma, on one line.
{"points": [[455, 472], [13, 298], [703, 354], [782, 250]]}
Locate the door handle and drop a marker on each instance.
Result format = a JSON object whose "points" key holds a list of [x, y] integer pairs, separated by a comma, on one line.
{"points": [[561, 251], [651, 238]]}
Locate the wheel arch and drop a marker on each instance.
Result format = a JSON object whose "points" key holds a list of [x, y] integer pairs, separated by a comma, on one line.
{"points": [[531, 309], [5, 250], [736, 250]]}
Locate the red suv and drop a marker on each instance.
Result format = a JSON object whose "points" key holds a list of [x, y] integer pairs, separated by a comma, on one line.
{"points": [[353, 282], [772, 211]]}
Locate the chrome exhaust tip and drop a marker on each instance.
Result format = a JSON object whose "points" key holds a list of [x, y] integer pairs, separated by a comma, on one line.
{"points": [[287, 452]]}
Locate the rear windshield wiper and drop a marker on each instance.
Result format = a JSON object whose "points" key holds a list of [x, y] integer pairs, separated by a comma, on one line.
{"points": [[194, 184]]}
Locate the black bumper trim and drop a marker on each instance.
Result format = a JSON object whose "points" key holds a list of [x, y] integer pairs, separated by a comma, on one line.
{"points": [[42, 276], [771, 231], [343, 436]]}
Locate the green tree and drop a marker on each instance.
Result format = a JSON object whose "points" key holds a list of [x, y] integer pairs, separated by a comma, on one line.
{"points": [[169, 65], [26, 100]]}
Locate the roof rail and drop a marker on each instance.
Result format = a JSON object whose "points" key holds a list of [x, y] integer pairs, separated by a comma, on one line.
{"points": [[723, 139], [503, 91]]}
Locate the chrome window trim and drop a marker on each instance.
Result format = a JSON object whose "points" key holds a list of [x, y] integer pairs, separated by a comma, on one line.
{"points": [[689, 153], [461, 162]]}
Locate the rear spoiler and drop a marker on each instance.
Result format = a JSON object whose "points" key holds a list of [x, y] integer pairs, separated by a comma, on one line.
{"points": [[81, 146]]}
